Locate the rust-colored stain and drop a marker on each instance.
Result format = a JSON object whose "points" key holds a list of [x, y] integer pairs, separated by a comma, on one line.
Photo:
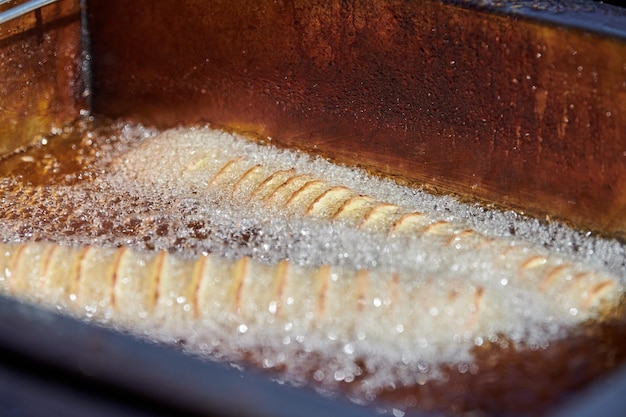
{"points": [[493, 107], [41, 84]]}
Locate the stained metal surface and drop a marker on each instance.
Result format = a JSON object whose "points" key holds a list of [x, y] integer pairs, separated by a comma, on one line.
{"points": [[520, 106], [41, 63]]}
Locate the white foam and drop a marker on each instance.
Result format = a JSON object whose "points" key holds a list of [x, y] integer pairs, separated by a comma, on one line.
{"points": [[526, 316], [143, 198]]}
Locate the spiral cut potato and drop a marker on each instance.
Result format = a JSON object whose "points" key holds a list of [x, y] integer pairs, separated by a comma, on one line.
{"points": [[388, 315], [202, 165], [129, 286]]}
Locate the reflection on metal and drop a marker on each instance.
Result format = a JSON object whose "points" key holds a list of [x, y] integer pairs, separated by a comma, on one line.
{"points": [[53, 359], [22, 9]]}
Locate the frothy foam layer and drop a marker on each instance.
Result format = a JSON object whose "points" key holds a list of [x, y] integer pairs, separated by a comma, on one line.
{"points": [[531, 293], [199, 190]]}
